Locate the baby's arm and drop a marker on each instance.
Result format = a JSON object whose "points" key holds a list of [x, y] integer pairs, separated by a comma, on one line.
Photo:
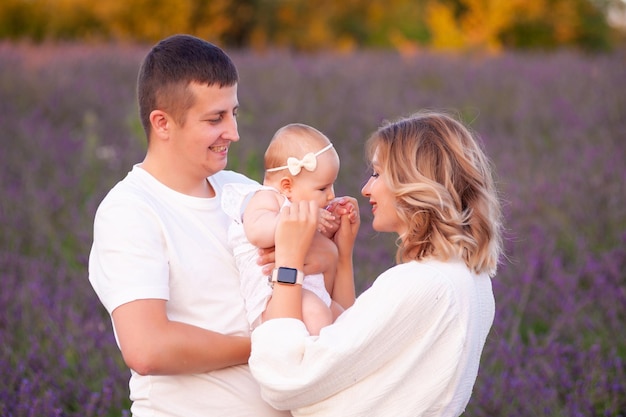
{"points": [[260, 217]]}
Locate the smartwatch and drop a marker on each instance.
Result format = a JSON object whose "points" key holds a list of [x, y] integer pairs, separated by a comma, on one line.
{"points": [[285, 275]]}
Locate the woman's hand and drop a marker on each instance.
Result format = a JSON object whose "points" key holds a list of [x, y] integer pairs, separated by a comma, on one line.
{"points": [[294, 233], [330, 219], [350, 221], [297, 224]]}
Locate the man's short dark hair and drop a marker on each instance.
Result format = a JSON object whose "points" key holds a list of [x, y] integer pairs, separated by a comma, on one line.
{"points": [[169, 68]]}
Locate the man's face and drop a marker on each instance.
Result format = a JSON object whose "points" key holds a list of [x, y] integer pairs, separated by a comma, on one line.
{"points": [[201, 144]]}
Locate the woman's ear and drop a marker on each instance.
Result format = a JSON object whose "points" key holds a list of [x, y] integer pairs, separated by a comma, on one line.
{"points": [[286, 185]]}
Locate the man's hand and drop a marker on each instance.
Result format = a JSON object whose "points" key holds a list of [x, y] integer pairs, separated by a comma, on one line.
{"points": [[266, 260]]}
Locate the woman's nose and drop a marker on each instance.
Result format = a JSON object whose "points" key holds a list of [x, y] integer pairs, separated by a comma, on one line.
{"points": [[365, 191]]}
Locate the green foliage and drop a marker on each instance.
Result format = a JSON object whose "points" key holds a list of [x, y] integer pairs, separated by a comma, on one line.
{"points": [[324, 24], [564, 23]]}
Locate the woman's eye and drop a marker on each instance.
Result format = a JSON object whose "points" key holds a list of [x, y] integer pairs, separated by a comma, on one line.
{"points": [[375, 174]]}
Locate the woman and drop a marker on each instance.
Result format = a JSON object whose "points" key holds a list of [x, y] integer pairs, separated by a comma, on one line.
{"points": [[411, 344]]}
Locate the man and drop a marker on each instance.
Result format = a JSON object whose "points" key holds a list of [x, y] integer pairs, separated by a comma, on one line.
{"points": [[160, 262]]}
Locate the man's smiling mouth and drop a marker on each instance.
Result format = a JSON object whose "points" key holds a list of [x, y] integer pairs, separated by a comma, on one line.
{"points": [[220, 148]]}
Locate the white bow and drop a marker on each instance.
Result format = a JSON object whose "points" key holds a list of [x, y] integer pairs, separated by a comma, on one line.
{"points": [[308, 162]]}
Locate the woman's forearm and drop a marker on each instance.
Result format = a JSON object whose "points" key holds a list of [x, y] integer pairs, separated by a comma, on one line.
{"points": [[296, 227], [343, 286], [286, 302]]}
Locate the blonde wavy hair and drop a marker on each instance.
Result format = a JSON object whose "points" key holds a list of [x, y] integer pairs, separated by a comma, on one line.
{"points": [[444, 190]]}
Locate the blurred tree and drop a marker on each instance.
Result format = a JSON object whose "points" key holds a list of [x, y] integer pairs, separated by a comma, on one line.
{"points": [[41, 20], [483, 21], [232, 22], [594, 33], [309, 25], [444, 29], [397, 23], [554, 23], [144, 20], [18, 19], [492, 24]]}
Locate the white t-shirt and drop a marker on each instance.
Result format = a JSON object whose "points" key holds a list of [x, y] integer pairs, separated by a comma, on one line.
{"points": [[409, 346], [153, 242]]}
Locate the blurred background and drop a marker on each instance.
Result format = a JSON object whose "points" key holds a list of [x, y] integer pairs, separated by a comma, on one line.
{"points": [[595, 25], [542, 82]]}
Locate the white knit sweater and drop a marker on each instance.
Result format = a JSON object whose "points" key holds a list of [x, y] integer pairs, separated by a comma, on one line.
{"points": [[410, 346]]}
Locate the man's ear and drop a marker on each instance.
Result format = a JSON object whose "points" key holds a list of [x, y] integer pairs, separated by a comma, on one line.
{"points": [[286, 185], [160, 122]]}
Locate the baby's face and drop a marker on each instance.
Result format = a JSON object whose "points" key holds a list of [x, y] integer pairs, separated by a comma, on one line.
{"points": [[318, 185]]}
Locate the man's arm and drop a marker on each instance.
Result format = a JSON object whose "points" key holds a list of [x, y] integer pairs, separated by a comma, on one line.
{"points": [[151, 344]]}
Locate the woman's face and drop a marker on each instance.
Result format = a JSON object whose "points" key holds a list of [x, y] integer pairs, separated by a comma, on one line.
{"points": [[382, 200]]}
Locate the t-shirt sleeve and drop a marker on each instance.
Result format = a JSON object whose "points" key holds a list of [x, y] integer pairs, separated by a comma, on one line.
{"points": [[400, 311], [128, 260]]}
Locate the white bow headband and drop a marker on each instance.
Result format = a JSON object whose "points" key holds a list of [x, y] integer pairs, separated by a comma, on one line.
{"points": [[308, 162]]}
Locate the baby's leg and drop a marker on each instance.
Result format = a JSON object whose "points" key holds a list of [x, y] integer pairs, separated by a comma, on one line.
{"points": [[315, 313]]}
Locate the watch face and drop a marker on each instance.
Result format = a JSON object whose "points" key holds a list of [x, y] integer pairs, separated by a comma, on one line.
{"points": [[287, 275]]}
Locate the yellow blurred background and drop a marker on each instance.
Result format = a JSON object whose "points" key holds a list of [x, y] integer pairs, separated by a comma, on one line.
{"points": [[406, 25]]}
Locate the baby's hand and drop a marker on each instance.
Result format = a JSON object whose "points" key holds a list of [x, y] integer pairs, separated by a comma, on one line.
{"points": [[344, 206], [338, 207], [328, 223]]}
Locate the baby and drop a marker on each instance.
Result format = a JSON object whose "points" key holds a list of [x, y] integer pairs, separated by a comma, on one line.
{"points": [[300, 164]]}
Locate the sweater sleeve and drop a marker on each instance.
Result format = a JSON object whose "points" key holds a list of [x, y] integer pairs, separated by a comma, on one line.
{"points": [[400, 311]]}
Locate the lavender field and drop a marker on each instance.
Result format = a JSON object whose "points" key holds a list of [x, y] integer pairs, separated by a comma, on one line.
{"points": [[553, 124]]}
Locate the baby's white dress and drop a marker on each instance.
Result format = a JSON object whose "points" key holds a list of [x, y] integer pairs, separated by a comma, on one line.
{"points": [[255, 287]]}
